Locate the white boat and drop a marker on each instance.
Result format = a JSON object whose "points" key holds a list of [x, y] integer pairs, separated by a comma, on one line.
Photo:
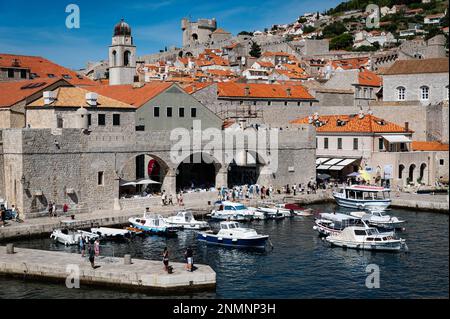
{"points": [[111, 233], [297, 210], [153, 223], [334, 223], [186, 220], [363, 197], [257, 215], [274, 212], [379, 219], [225, 210], [232, 235], [366, 238], [71, 237]]}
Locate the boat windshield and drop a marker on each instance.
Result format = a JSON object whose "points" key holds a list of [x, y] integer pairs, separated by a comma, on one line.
{"points": [[240, 207], [372, 231], [230, 226]]}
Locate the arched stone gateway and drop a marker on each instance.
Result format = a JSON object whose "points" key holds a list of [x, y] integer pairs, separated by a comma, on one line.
{"points": [[423, 174], [245, 168], [199, 170]]}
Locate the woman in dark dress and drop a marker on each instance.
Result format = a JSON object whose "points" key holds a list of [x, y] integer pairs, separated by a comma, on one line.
{"points": [[166, 259]]}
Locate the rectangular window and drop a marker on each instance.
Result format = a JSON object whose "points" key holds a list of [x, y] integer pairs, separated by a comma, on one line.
{"points": [[285, 103], [355, 144], [23, 74], [441, 162], [101, 120], [89, 119], [10, 73], [381, 143], [59, 122], [169, 111], [156, 111], [339, 143], [325, 143], [116, 119], [181, 112], [194, 112], [269, 103], [100, 179]]}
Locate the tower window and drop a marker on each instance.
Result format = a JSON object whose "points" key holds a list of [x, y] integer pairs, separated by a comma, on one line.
{"points": [[339, 143], [100, 178], [169, 111], [116, 119], [127, 58], [101, 120], [156, 111], [325, 143]]}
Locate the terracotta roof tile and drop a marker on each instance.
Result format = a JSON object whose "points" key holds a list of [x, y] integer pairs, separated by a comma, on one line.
{"points": [[130, 94], [43, 67], [14, 92], [266, 91], [429, 146], [438, 65], [196, 86], [349, 64], [369, 78], [76, 97], [353, 124]]}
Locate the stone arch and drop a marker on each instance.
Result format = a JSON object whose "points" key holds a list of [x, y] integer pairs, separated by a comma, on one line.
{"points": [[401, 168], [245, 168], [114, 58], [195, 37], [423, 173], [188, 54], [127, 58], [180, 54], [198, 170]]}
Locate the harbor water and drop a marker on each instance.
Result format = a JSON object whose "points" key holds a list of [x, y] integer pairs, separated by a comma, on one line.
{"points": [[301, 265]]}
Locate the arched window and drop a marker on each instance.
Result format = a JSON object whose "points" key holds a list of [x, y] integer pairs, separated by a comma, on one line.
{"points": [[195, 37], [401, 93], [412, 170], [424, 93], [400, 171], [114, 57], [126, 58]]}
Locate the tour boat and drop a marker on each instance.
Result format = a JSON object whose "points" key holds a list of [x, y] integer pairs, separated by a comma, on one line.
{"points": [[153, 223], [379, 219], [225, 210], [334, 223], [186, 220], [71, 237], [363, 197], [232, 235], [111, 233], [366, 238]]}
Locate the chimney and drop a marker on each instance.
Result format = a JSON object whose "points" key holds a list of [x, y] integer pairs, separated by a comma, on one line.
{"points": [[289, 91], [247, 91], [406, 126], [49, 97], [91, 99]]}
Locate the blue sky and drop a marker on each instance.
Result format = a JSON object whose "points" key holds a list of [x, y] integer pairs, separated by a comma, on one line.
{"points": [[38, 27]]}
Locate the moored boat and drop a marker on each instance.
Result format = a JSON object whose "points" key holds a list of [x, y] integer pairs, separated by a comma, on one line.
{"points": [[69, 237], [225, 210], [363, 197], [297, 210], [232, 235], [154, 224], [366, 238], [111, 233], [334, 223], [379, 219], [186, 220]]}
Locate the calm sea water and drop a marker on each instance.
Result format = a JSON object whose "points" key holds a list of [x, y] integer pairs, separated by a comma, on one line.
{"points": [[301, 265]]}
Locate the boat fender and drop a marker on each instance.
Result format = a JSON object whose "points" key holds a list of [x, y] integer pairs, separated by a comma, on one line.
{"points": [[219, 238]]}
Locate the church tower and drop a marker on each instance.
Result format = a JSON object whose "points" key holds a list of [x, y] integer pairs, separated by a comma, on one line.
{"points": [[122, 56]]}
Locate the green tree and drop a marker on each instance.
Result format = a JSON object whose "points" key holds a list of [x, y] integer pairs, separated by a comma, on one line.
{"points": [[308, 29], [245, 33], [255, 50], [333, 30], [342, 42]]}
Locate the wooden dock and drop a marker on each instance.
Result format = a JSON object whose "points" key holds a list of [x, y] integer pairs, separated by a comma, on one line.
{"points": [[140, 275]]}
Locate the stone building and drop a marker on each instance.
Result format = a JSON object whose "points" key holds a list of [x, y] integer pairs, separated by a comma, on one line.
{"points": [[198, 32]]}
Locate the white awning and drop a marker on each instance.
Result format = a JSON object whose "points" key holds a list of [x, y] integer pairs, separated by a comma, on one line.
{"points": [[321, 160], [323, 167], [336, 168], [347, 162], [334, 161], [396, 138]]}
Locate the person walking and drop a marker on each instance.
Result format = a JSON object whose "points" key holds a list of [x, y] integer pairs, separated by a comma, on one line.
{"points": [[170, 199], [82, 246], [54, 210], [50, 209], [91, 253], [163, 198], [189, 257], [97, 247], [65, 208], [181, 199], [166, 259]]}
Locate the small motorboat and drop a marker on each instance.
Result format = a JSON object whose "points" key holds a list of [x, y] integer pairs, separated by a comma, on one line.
{"points": [[111, 233], [154, 224], [297, 210], [69, 237], [379, 219], [225, 210], [257, 215], [366, 238], [334, 223], [186, 220], [273, 212], [232, 235]]}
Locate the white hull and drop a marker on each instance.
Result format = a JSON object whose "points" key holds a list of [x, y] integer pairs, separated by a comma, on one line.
{"points": [[388, 246], [379, 205]]}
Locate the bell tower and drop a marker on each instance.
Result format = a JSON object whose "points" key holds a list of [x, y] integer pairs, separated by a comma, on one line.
{"points": [[122, 56]]}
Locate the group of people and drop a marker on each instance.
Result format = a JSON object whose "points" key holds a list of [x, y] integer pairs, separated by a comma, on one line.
{"points": [[52, 209], [168, 199], [188, 257], [93, 249], [14, 214]]}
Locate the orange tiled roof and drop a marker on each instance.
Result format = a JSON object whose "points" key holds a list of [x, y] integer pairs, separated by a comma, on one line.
{"points": [[130, 94], [14, 92], [265, 91], [429, 146], [221, 31], [368, 78], [290, 74], [265, 64], [348, 64], [269, 53], [354, 124], [196, 86], [438, 65], [76, 97], [214, 72], [43, 67]]}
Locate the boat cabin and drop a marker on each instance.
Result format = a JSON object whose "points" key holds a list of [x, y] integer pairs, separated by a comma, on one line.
{"points": [[365, 192], [230, 206], [229, 225]]}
